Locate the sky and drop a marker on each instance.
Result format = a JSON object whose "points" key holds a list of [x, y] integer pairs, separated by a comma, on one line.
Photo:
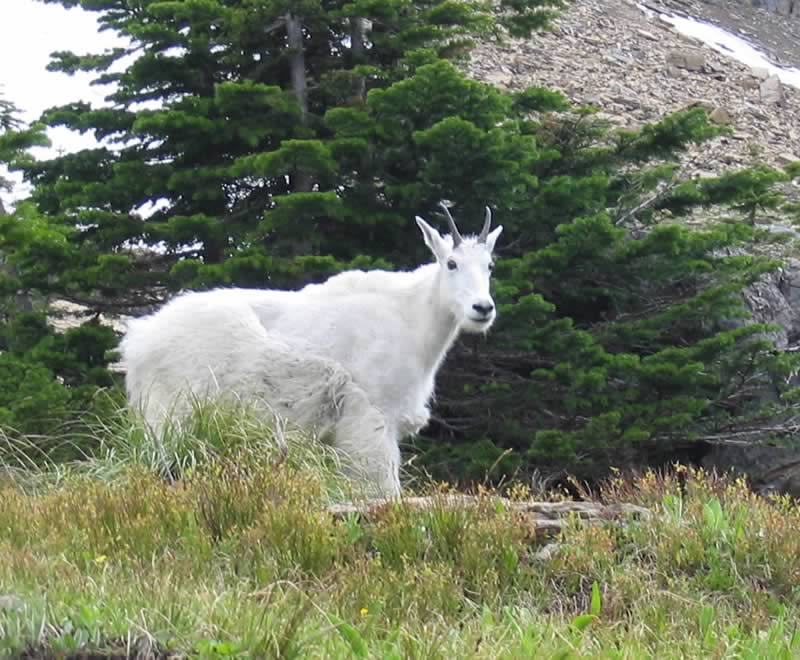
{"points": [[31, 30]]}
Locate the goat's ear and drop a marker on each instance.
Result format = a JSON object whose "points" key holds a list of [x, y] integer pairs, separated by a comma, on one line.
{"points": [[491, 239], [433, 239]]}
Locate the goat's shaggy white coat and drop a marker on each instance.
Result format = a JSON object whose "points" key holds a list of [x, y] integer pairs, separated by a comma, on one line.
{"points": [[354, 358]]}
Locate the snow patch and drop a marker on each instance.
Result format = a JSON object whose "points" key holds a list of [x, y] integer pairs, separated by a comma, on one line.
{"points": [[728, 44]]}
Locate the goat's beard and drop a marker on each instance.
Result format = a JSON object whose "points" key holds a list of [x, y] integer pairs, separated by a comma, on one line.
{"points": [[474, 327]]}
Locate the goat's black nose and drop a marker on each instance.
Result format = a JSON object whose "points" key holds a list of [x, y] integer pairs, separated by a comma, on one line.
{"points": [[484, 309]]}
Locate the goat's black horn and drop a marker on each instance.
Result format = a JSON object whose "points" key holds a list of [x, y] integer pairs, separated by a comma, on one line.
{"points": [[457, 238], [487, 223]]}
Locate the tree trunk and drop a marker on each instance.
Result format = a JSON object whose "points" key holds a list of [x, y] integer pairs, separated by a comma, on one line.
{"points": [[301, 181], [22, 301], [357, 49], [297, 63]]}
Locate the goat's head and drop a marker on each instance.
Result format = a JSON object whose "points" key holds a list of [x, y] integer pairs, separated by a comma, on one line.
{"points": [[465, 265]]}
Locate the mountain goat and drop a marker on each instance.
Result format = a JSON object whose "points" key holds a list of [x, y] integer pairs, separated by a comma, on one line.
{"points": [[353, 358]]}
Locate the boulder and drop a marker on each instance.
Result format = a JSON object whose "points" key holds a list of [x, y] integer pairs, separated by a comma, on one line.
{"points": [[771, 91], [691, 60], [770, 469], [499, 78], [720, 116]]}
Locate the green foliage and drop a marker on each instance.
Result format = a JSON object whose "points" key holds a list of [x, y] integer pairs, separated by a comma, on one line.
{"points": [[30, 399], [49, 378], [15, 138], [748, 191], [8, 115], [669, 135], [46, 379]]}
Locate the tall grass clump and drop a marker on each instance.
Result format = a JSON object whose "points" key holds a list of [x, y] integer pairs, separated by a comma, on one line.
{"points": [[214, 432], [217, 430]]}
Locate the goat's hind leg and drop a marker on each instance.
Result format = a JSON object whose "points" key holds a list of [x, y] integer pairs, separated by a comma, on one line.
{"points": [[319, 393]]}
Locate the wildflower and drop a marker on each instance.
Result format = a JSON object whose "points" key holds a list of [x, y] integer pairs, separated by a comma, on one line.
{"points": [[364, 611], [100, 559]]}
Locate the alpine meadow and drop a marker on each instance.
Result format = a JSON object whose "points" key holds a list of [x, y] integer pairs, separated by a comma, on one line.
{"points": [[261, 144]]}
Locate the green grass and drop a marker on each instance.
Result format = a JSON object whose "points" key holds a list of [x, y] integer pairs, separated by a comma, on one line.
{"points": [[216, 543]]}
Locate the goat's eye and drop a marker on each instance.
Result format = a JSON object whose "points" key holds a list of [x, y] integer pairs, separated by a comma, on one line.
{"points": [[491, 266], [451, 264]]}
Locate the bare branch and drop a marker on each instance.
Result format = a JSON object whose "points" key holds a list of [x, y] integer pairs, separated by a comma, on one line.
{"points": [[543, 518]]}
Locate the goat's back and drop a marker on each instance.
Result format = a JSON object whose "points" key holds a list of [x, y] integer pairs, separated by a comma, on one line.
{"points": [[198, 342], [226, 339]]}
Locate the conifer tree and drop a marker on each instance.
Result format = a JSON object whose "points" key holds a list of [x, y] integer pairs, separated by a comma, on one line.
{"points": [[219, 119]]}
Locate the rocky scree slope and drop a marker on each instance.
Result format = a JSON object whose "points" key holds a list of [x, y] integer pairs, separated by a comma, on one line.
{"points": [[637, 68]]}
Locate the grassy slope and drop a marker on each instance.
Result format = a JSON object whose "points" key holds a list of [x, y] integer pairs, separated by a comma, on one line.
{"points": [[236, 557]]}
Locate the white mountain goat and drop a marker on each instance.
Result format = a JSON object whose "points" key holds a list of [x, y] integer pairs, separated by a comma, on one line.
{"points": [[353, 358]]}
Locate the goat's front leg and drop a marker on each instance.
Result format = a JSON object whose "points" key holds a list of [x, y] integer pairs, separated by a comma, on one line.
{"points": [[369, 443], [378, 464], [414, 423]]}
